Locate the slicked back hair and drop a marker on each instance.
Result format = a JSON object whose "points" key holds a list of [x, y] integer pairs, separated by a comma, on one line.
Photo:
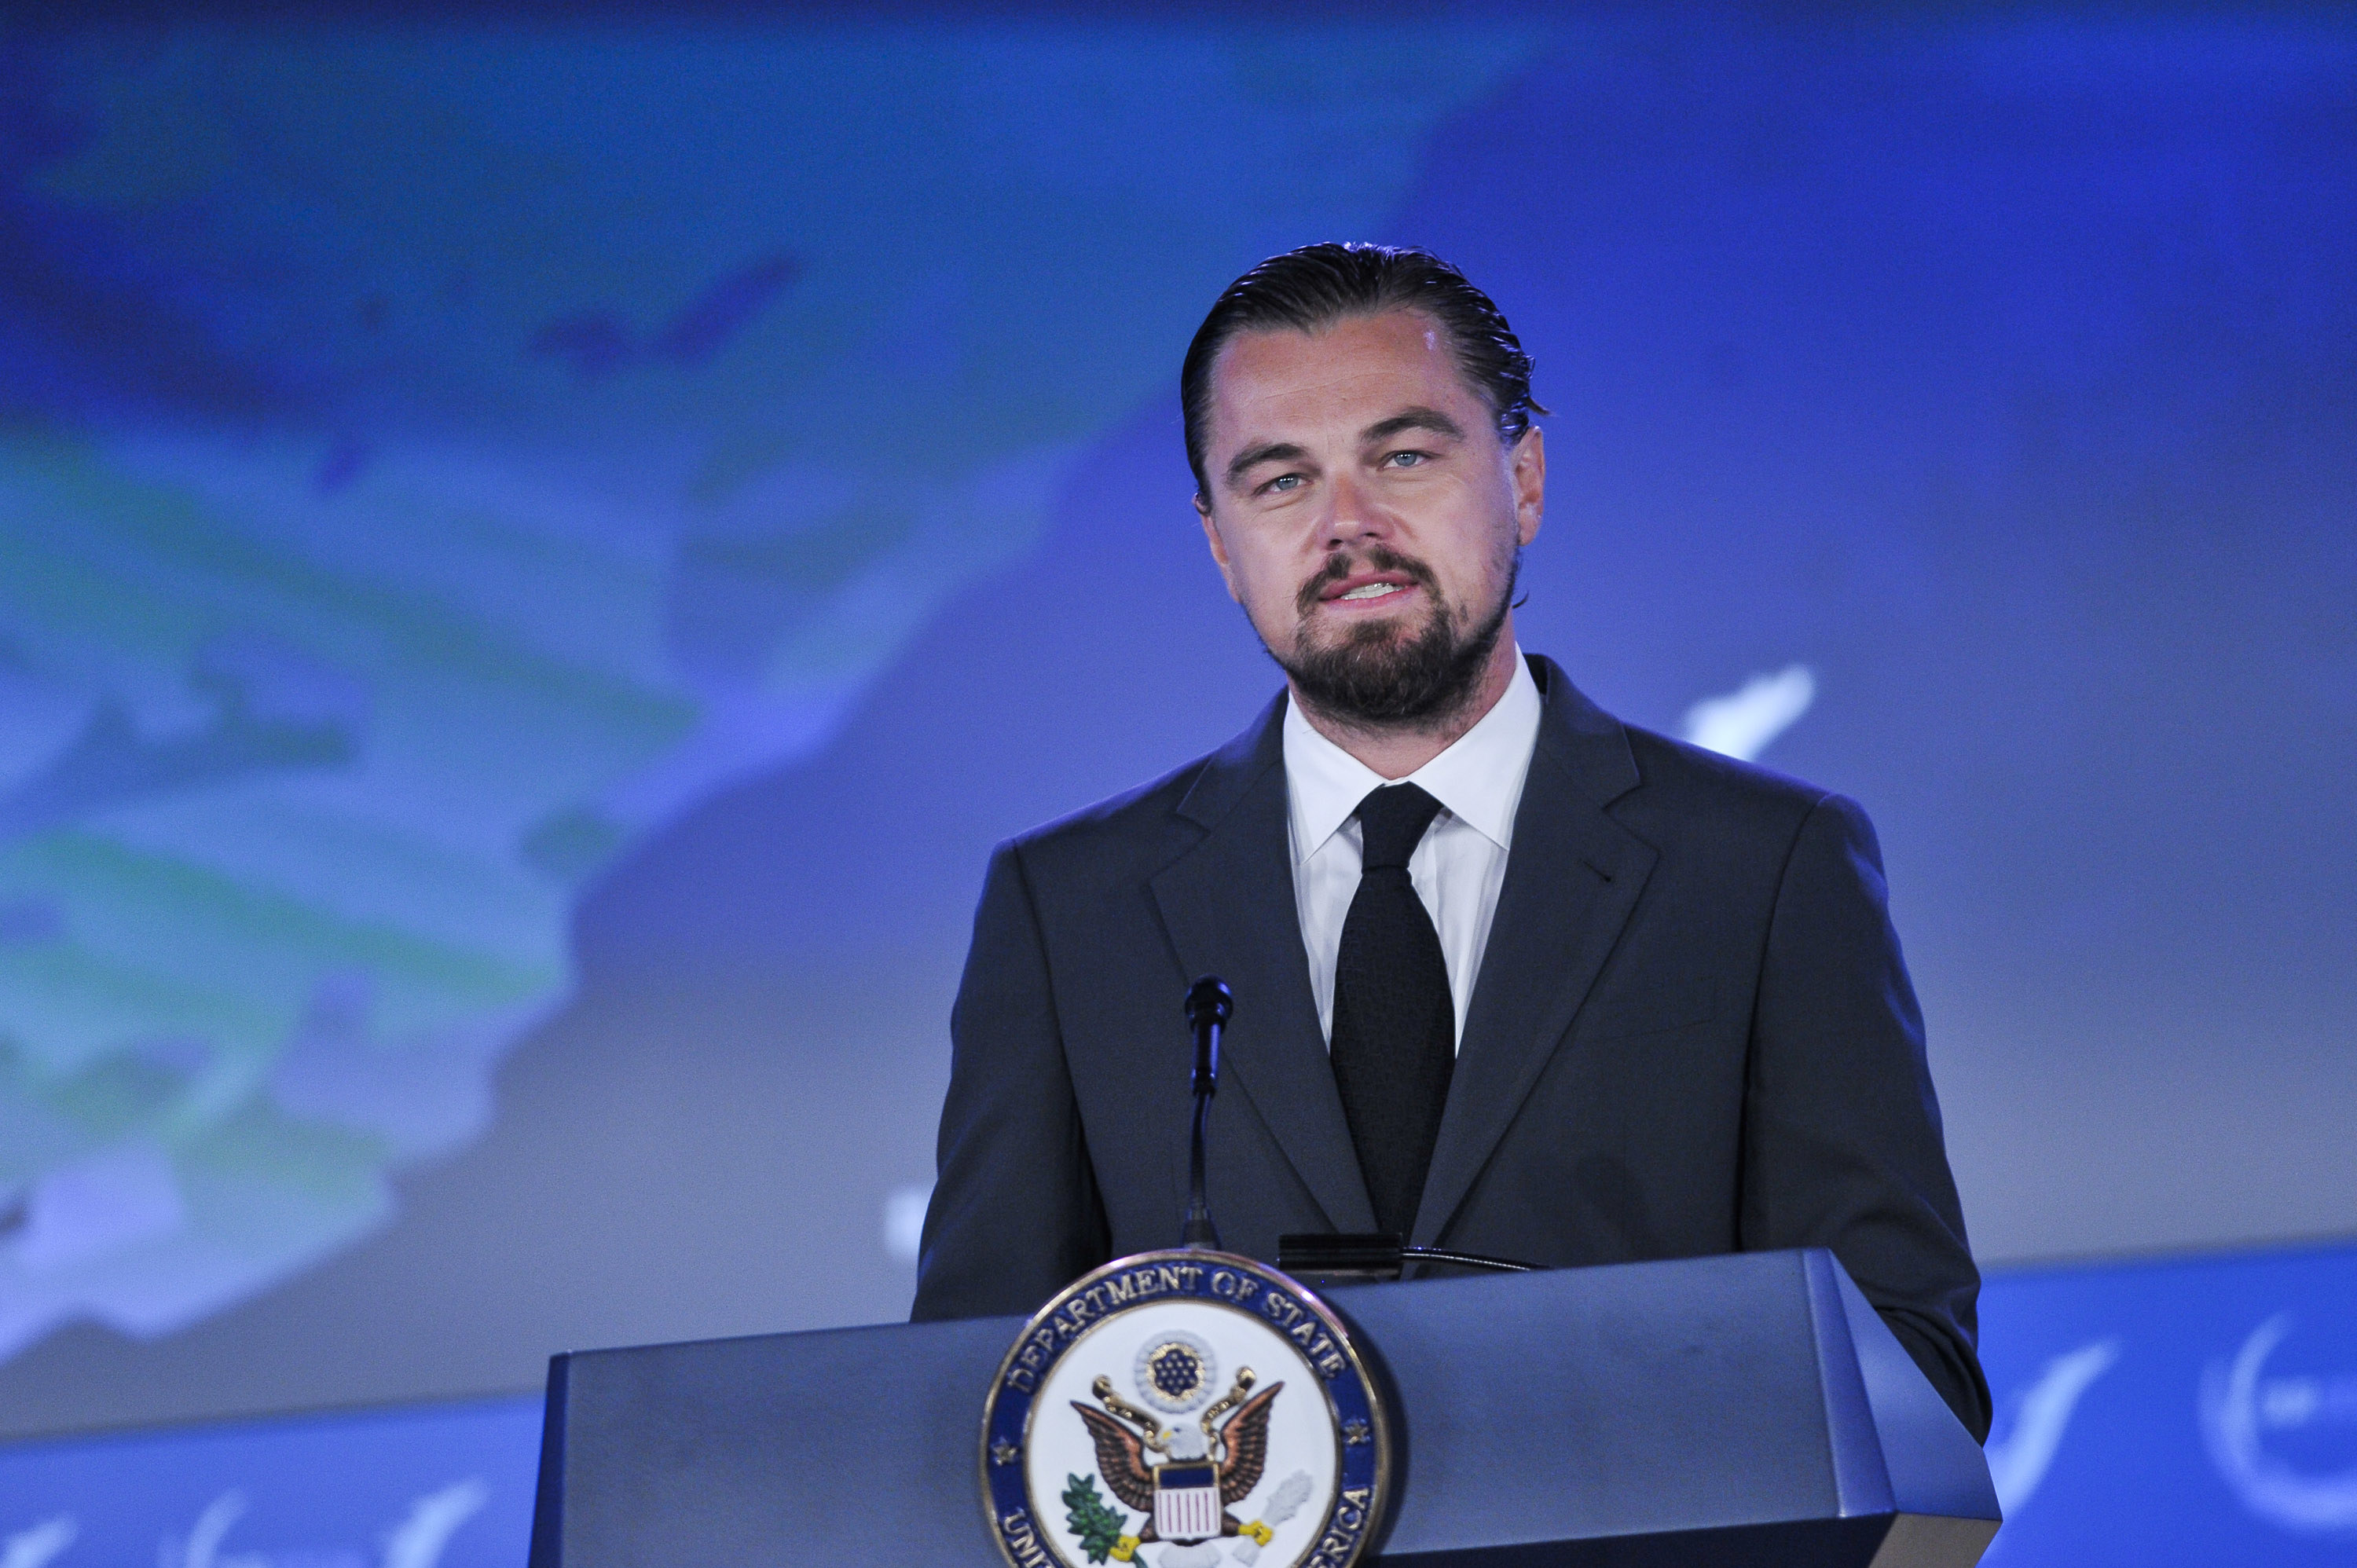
{"points": [[1310, 289]]}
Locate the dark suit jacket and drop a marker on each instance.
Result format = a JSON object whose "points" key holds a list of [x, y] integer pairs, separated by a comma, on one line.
{"points": [[1693, 1033]]}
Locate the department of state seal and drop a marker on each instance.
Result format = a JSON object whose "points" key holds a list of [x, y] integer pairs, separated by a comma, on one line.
{"points": [[1184, 1410]]}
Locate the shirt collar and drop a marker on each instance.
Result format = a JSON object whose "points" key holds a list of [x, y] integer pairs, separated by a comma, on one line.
{"points": [[1478, 780]]}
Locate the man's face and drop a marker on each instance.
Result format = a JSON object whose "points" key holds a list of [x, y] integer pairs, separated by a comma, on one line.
{"points": [[1364, 512]]}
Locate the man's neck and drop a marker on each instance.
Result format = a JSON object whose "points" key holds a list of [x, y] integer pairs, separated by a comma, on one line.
{"points": [[1394, 751]]}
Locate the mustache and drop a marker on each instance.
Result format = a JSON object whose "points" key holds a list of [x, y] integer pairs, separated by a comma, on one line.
{"points": [[1376, 558]]}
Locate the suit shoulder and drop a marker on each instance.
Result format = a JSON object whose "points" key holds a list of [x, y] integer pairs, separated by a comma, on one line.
{"points": [[1686, 780], [1134, 821], [1136, 833], [1737, 823]]}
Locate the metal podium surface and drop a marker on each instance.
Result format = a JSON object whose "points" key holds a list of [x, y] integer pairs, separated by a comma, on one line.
{"points": [[1749, 1410]]}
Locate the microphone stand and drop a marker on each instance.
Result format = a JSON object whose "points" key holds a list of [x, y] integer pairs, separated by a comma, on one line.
{"points": [[1209, 1005]]}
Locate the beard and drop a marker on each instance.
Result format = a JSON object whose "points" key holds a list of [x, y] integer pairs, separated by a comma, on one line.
{"points": [[1384, 674]]}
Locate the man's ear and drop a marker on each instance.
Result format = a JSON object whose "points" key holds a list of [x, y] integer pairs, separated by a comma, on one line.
{"points": [[1219, 548], [1527, 469]]}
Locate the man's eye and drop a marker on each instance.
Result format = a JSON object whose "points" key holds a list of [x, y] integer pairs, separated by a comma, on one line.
{"points": [[1282, 483], [1406, 459]]}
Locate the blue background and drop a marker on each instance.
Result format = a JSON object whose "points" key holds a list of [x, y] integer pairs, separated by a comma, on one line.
{"points": [[538, 551]]}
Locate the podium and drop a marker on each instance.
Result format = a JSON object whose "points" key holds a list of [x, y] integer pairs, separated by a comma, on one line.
{"points": [[1746, 1409]]}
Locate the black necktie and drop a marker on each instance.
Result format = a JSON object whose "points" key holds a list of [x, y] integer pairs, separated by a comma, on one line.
{"points": [[1395, 1040]]}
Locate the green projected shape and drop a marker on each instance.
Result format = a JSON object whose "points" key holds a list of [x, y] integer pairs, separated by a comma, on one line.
{"points": [[446, 454]]}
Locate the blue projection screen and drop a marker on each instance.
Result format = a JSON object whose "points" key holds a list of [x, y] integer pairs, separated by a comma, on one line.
{"points": [[536, 557]]}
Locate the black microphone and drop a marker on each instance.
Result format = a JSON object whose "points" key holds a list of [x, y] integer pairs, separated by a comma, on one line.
{"points": [[1209, 1004], [1322, 1257]]}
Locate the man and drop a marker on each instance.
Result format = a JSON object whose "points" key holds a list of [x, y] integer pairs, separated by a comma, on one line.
{"points": [[1509, 976]]}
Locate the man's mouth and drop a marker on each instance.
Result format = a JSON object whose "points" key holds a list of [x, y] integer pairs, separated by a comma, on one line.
{"points": [[1367, 587]]}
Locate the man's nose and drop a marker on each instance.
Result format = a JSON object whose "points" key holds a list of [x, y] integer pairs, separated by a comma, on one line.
{"points": [[1353, 516]]}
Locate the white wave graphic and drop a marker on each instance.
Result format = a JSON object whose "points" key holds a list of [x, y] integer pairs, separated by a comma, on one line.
{"points": [[40, 1545], [2019, 1461], [202, 1547], [418, 1541], [1741, 723], [904, 1222]]}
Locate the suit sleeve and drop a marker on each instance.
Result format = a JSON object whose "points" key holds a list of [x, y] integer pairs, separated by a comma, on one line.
{"points": [[1841, 1139], [1015, 1214]]}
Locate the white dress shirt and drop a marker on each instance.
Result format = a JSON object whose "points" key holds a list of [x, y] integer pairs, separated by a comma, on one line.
{"points": [[1457, 868]]}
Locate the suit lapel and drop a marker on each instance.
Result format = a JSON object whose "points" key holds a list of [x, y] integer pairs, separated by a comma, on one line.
{"points": [[1228, 908], [1573, 875]]}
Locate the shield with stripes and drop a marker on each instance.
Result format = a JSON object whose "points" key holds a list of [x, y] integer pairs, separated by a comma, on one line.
{"points": [[1186, 1501]]}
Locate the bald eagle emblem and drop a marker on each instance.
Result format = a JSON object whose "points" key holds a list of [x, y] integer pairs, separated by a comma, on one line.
{"points": [[1135, 1393], [1185, 1476]]}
